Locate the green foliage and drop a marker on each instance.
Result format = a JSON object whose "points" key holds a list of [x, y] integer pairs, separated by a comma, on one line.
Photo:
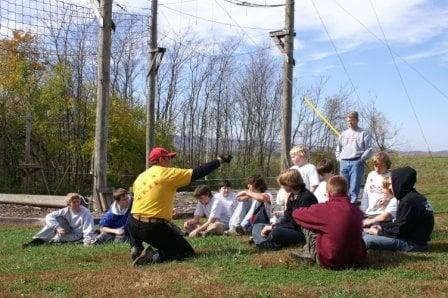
{"points": [[164, 134], [20, 74], [126, 145]]}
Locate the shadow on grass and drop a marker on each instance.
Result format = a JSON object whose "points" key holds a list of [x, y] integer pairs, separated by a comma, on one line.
{"points": [[438, 247], [386, 259], [223, 252]]}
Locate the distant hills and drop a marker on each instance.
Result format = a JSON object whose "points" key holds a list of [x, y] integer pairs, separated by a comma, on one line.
{"points": [[443, 153]]}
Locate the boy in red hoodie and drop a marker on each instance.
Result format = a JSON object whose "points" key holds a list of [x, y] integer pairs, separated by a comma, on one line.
{"points": [[333, 230]]}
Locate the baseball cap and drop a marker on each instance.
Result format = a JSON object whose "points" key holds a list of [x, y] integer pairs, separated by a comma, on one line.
{"points": [[159, 152]]}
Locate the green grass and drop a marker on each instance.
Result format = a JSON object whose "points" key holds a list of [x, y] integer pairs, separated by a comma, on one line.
{"points": [[227, 266]]}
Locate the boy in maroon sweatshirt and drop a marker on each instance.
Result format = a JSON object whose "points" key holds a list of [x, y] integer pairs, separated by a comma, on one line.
{"points": [[333, 230]]}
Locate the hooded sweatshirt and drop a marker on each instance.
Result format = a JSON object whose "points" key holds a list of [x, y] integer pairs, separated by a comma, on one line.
{"points": [[338, 225], [415, 216], [116, 217]]}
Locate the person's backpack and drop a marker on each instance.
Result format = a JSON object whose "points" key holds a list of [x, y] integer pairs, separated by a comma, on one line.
{"points": [[260, 215], [84, 201]]}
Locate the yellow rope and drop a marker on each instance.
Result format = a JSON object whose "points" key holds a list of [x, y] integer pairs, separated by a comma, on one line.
{"points": [[321, 116]]}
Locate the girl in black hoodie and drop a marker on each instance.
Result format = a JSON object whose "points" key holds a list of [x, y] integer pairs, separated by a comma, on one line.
{"points": [[412, 229]]}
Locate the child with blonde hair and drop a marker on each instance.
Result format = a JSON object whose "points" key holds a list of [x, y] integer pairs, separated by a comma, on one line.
{"points": [[70, 224], [377, 202]]}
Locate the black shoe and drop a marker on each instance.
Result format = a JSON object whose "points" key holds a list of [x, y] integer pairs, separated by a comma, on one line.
{"points": [[135, 252], [145, 257], [34, 242], [269, 245], [240, 230], [301, 255]]}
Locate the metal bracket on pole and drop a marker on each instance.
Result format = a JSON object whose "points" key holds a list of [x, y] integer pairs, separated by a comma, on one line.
{"points": [[278, 37], [157, 59], [96, 10]]}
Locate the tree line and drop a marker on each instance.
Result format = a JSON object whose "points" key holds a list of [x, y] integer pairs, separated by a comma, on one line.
{"points": [[211, 99]]}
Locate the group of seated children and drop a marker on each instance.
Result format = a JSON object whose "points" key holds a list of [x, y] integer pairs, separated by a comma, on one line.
{"points": [[315, 210], [74, 223]]}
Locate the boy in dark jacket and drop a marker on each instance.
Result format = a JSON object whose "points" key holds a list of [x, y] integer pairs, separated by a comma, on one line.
{"points": [[412, 229], [333, 229]]}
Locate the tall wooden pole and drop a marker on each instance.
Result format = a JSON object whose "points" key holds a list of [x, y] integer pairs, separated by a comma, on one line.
{"points": [[102, 105], [150, 104], [27, 152], [287, 84]]}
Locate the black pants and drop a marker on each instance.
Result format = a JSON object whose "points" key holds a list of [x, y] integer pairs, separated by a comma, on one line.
{"points": [[283, 235], [168, 242]]}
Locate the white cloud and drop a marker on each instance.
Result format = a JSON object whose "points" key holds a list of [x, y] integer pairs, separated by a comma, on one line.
{"points": [[404, 22], [440, 50]]}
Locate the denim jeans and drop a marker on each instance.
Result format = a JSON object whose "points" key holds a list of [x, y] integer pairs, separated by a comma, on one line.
{"points": [[387, 243], [281, 235], [352, 170], [238, 214], [109, 237]]}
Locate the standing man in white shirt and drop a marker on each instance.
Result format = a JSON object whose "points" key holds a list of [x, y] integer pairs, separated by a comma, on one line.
{"points": [[352, 151]]}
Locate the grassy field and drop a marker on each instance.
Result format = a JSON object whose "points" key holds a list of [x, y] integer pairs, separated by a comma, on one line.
{"points": [[229, 266]]}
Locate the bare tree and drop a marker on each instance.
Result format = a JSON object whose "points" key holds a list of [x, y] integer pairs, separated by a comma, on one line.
{"points": [[384, 135]]}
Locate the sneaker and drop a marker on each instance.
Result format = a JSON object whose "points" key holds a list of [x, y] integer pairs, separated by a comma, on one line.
{"points": [[34, 242], [230, 233], [135, 252], [269, 245], [145, 257], [301, 255], [240, 230]]}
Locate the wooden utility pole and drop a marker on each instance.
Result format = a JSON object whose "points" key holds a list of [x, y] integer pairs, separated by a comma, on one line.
{"points": [[150, 112], [284, 39], [102, 105], [156, 55], [27, 162]]}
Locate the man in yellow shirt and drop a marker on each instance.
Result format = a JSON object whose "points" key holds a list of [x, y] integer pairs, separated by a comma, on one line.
{"points": [[152, 209]]}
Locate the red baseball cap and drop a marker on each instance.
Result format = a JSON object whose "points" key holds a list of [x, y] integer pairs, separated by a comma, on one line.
{"points": [[159, 152]]}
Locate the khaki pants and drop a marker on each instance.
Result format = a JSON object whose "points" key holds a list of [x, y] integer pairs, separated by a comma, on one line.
{"points": [[216, 228], [310, 245]]}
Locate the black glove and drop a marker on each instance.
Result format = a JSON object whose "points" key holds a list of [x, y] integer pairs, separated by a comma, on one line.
{"points": [[225, 158]]}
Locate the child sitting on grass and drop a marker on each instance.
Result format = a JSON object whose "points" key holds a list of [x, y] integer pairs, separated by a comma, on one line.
{"points": [[207, 206], [385, 209], [114, 223], [70, 224], [375, 196], [286, 231], [325, 169], [333, 230], [260, 208]]}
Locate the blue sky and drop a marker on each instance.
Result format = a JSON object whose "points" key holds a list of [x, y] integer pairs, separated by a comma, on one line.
{"points": [[417, 30]]}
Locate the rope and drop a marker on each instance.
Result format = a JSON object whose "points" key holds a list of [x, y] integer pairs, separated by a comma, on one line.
{"points": [[320, 115], [402, 82]]}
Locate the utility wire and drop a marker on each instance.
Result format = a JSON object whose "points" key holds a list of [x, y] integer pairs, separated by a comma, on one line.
{"points": [[236, 23], [213, 21], [207, 55], [336, 51], [249, 4], [401, 80], [396, 54]]}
